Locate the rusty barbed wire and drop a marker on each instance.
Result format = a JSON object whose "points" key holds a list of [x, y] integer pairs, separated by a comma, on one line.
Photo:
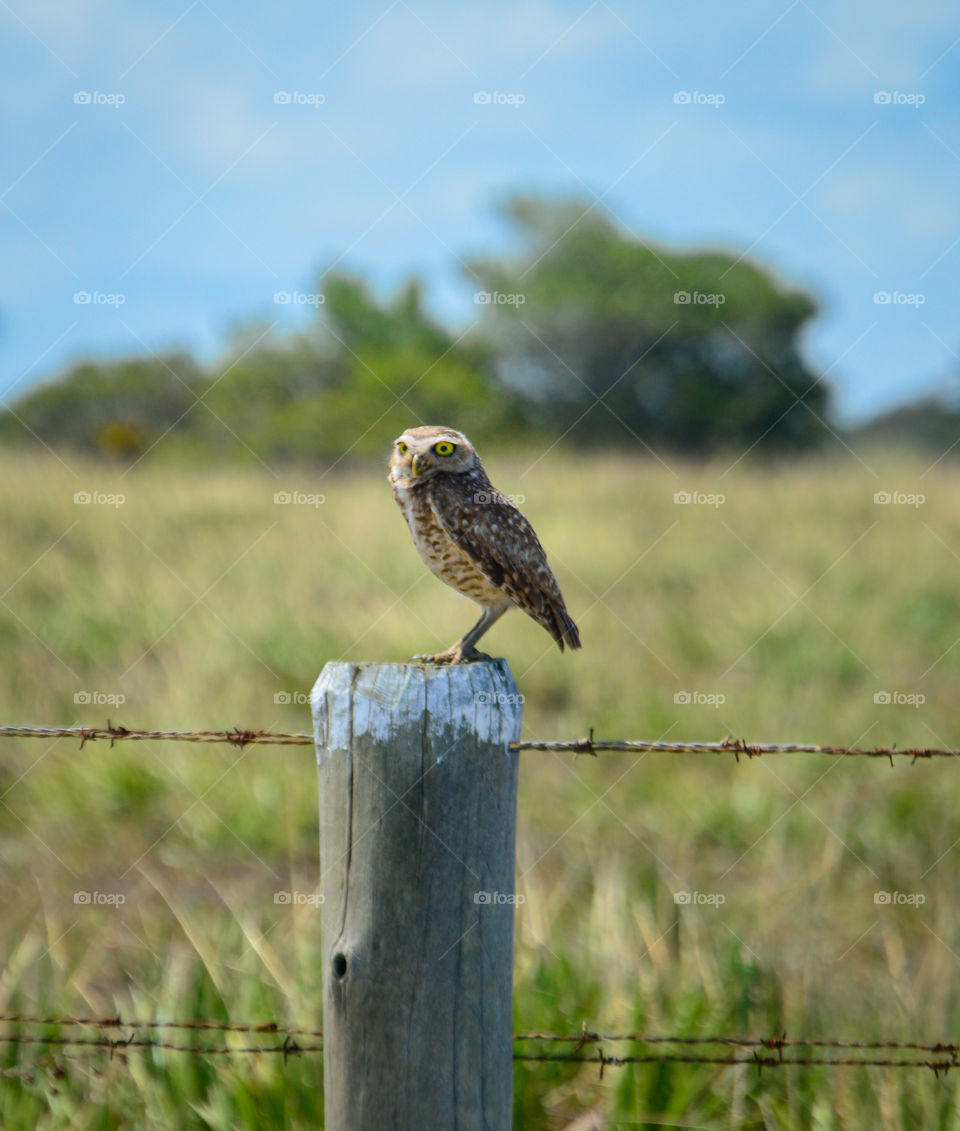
{"points": [[948, 1053], [239, 736], [735, 746], [236, 737], [290, 1048], [584, 1037], [117, 1022], [755, 1061], [781, 1042]]}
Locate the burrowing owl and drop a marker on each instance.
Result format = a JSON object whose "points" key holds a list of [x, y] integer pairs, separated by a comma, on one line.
{"points": [[473, 538]]}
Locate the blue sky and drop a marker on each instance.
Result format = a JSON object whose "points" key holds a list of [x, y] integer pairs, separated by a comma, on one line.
{"points": [[822, 139]]}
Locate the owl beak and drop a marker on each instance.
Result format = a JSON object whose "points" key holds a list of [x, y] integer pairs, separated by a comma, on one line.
{"points": [[417, 466]]}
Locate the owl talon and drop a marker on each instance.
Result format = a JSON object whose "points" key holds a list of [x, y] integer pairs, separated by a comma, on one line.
{"points": [[455, 655]]}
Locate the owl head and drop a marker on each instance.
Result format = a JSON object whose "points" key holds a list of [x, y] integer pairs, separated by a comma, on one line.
{"points": [[423, 452]]}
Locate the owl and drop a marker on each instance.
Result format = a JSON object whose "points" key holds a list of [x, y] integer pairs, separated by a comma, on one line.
{"points": [[473, 538]]}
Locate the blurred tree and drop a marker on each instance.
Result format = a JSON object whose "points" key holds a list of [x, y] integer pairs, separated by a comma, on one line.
{"points": [[366, 370], [401, 368], [587, 330], [119, 408], [932, 424], [614, 339]]}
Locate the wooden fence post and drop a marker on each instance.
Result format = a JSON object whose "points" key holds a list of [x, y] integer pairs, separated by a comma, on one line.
{"points": [[418, 821]]}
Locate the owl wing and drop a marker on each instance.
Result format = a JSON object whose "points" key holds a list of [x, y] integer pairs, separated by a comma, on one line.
{"points": [[503, 545]]}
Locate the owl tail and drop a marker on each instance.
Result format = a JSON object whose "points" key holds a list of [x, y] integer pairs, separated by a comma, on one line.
{"points": [[562, 628]]}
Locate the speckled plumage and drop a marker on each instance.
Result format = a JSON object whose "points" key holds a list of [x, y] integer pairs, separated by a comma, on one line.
{"points": [[473, 537]]}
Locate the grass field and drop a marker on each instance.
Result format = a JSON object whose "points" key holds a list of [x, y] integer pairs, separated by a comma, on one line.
{"points": [[204, 603]]}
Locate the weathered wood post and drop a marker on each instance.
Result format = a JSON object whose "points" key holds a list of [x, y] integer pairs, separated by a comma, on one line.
{"points": [[418, 819]]}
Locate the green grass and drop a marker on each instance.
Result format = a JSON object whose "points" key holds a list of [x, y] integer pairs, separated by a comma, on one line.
{"points": [[200, 600]]}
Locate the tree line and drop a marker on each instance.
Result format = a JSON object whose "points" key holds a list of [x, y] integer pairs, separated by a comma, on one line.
{"points": [[584, 331]]}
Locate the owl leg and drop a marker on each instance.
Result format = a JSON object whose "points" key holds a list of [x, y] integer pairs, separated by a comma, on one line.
{"points": [[464, 651]]}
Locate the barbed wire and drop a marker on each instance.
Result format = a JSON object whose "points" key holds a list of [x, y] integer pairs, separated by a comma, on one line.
{"points": [[767, 1051], [239, 736], [584, 1037], [291, 1048], [735, 746], [781, 1042], [235, 737], [119, 1023], [757, 1061]]}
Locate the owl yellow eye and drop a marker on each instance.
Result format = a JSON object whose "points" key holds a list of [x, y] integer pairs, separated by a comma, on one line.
{"points": [[402, 448], [444, 448]]}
